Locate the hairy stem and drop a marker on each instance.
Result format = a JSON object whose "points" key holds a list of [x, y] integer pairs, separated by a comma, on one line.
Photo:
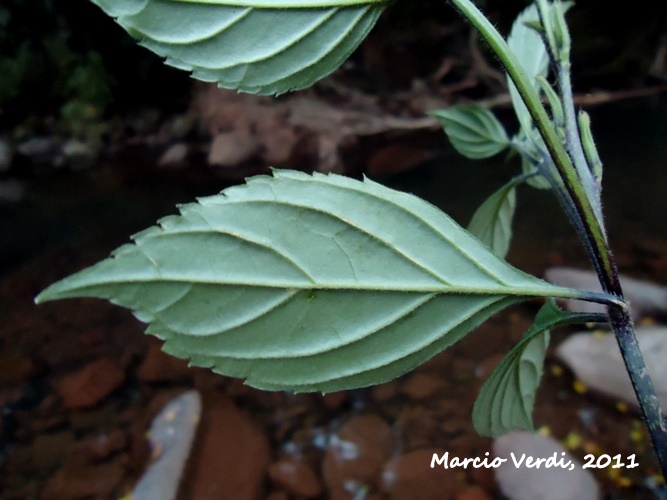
{"points": [[641, 382], [588, 219]]}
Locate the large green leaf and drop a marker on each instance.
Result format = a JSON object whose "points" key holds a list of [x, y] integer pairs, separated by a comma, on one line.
{"points": [[307, 282], [473, 130], [505, 402], [257, 46], [492, 222]]}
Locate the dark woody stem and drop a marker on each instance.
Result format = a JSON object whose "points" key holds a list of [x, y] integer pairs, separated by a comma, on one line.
{"points": [[585, 218]]}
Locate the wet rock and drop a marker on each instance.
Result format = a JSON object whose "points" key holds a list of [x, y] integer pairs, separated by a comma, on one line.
{"points": [[15, 367], [48, 450], [231, 456], [159, 366], [473, 493], [334, 400], [6, 155], [410, 477], [396, 158], [230, 149], [175, 155], [74, 481], [78, 154], [645, 298], [384, 392], [171, 434], [355, 456], [554, 483], [596, 361], [12, 191], [101, 447], [89, 385], [41, 150], [421, 386], [296, 478]]}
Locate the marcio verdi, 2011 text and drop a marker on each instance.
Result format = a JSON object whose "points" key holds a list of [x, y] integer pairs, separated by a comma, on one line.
{"points": [[529, 462]]}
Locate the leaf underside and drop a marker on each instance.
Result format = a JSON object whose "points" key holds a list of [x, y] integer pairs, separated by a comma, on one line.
{"points": [[506, 400], [307, 283], [473, 130], [492, 222], [261, 47]]}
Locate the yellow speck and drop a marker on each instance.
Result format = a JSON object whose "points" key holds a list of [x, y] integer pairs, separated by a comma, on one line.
{"points": [[544, 431], [648, 321], [572, 441], [614, 474], [591, 447], [579, 387], [621, 406], [659, 480], [636, 435], [624, 482], [170, 416], [599, 333], [556, 370]]}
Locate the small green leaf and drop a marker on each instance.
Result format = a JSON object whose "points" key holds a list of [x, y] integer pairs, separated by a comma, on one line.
{"points": [[256, 46], [531, 52], [492, 222], [306, 282], [505, 402], [473, 130]]}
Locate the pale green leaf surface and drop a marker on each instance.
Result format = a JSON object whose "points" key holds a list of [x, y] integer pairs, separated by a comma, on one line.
{"points": [[307, 282], [473, 130], [506, 400], [492, 222], [531, 52], [265, 47]]}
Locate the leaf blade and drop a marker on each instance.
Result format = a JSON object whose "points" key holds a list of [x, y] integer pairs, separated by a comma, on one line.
{"points": [[258, 46], [492, 221], [505, 401], [473, 130], [284, 281]]}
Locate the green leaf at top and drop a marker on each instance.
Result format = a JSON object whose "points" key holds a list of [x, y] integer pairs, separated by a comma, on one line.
{"points": [[528, 47], [506, 400], [473, 130], [306, 282], [492, 222], [256, 46]]}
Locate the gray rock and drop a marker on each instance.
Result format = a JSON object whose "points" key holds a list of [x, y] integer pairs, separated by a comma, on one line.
{"points": [[564, 478], [175, 155], [596, 361], [41, 150], [171, 435], [6, 155], [79, 155], [644, 298], [12, 191]]}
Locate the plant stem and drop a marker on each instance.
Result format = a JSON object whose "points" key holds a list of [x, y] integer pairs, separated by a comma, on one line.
{"points": [[573, 138], [587, 218], [641, 382]]}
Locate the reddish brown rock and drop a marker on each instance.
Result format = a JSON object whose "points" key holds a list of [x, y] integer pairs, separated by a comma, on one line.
{"points": [[473, 493], [74, 481], [421, 386], [410, 477], [159, 366], [355, 456], [295, 478], [334, 400], [15, 367], [89, 385], [230, 456]]}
